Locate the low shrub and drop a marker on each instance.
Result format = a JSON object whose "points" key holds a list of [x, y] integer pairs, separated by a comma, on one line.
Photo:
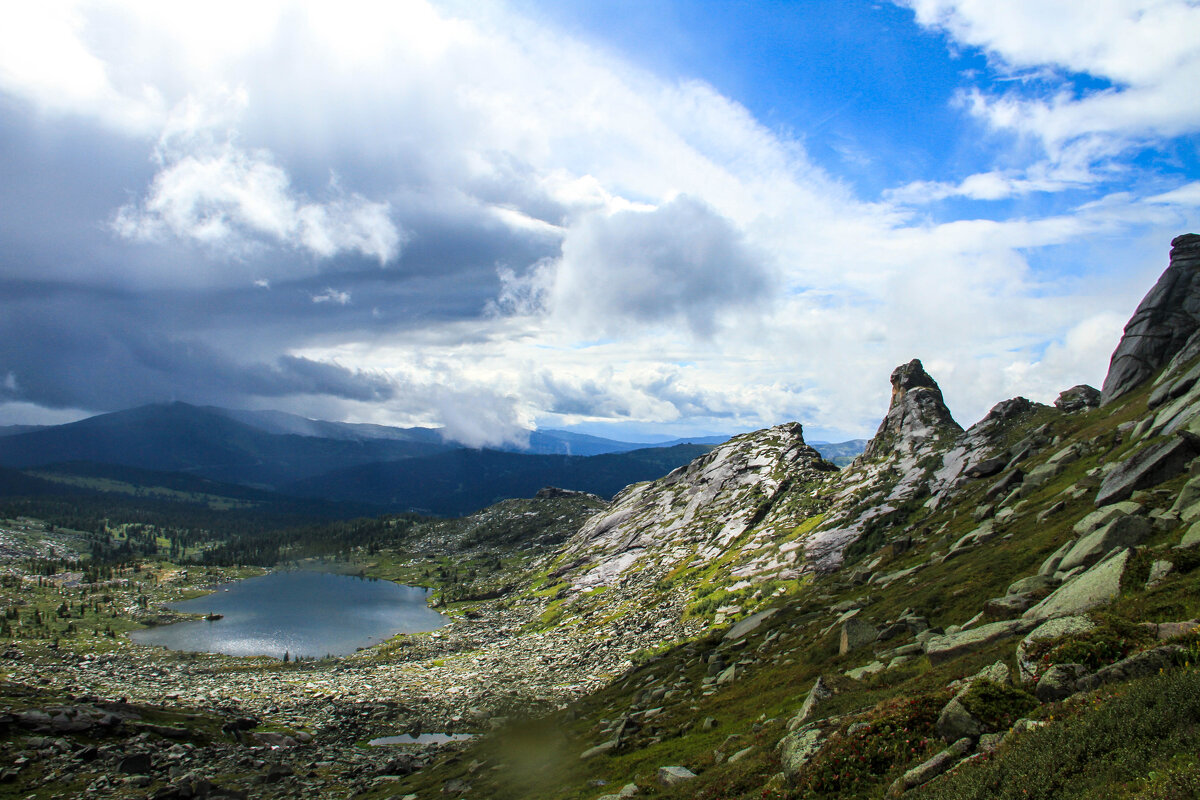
{"points": [[998, 706], [901, 732], [1113, 640], [1093, 754]]}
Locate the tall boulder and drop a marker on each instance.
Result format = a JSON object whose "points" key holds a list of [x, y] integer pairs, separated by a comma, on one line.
{"points": [[916, 413], [1164, 321]]}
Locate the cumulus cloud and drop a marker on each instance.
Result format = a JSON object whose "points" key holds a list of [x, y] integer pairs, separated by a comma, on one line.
{"points": [[681, 262], [213, 192]]}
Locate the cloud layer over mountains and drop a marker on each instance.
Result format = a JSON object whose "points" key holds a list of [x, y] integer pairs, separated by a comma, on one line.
{"points": [[455, 214]]}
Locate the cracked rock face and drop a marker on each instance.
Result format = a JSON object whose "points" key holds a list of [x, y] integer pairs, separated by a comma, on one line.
{"points": [[917, 412], [698, 511], [1164, 322]]}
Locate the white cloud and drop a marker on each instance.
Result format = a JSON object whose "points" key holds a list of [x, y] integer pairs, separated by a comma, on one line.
{"points": [[1145, 48], [681, 262], [332, 296], [213, 192], [1186, 195], [709, 271]]}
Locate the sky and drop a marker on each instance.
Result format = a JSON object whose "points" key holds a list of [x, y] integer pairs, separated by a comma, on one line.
{"points": [[633, 219]]}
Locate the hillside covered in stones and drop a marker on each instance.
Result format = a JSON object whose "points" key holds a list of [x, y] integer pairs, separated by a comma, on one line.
{"points": [[1003, 611], [926, 611]]}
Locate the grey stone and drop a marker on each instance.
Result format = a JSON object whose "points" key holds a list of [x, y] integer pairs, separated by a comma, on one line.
{"points": [[927, 771], [749, 624], [1031, 584], [1078, 398], [1187, 503], [996, 673], [1005, 484], [1164, 321], [956, 722], [916, 413], [1039, 476], [817, 695], [1059, 682], [1148, 467], [1102, 516], [1139, 665], [1047, 513], [797, 748], [1191, 537], [136, 764], [1121, 532], [855, 634], [990, 742], [671, 776], [601, 749], [740, 754], [1050, 565], [1007, 607], [1053, 629], [1159, 570], [870, 669], [943, 648], [987, 468], [1098, 586]]}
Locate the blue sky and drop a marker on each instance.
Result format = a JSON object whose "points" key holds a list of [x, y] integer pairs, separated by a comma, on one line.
{"points": [[624, 218], [864, 88]]}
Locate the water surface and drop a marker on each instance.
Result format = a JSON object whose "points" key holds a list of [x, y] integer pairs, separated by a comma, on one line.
{"points": [[421, 738], [300, 613]]}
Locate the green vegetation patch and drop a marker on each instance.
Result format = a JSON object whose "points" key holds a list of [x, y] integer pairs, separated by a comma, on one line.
{"points": [[1106, 745], [998, 706], [1112, 640], [854, 763]]}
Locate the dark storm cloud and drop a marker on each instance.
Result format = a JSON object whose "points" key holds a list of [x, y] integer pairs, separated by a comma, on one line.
{"points": [[63, 352], [91, 320]]}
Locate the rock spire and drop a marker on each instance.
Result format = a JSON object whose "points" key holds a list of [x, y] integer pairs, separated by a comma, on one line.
{"points": [[916, 413], [1164, 322]]}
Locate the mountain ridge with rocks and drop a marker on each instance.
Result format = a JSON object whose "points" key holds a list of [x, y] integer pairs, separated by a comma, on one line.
{"points": [[1006, 611]]}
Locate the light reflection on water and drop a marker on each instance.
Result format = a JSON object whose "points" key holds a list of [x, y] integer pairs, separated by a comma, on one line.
{"points": [[424, 738], [300, 613]]}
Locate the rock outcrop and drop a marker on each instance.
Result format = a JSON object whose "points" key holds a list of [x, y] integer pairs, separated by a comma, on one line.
{"points": [[1078, 398], [916, 413], [1162, 325]]}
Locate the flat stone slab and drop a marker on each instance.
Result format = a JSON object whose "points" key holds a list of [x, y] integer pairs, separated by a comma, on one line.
{"points": [[943, 648], [1148, 467], [669, 776], [749, 624], [1102, 516], [1098, 586], [797, 748], [1124, 531]]}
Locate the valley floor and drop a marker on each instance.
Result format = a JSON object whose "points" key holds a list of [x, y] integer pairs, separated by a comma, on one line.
{"points": [[466, 677]]}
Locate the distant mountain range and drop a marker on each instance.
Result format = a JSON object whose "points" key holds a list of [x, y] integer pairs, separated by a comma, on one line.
{"points": [[277, 453]]}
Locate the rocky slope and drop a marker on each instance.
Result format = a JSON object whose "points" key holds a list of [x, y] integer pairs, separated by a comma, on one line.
{"points": [[988, 580]]}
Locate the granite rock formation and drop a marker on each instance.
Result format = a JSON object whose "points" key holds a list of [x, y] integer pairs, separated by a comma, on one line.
{"points": [[1167, 318], [916, 413]]}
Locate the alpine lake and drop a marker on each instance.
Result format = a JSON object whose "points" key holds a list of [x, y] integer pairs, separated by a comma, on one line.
{"points": [[299, 613]]}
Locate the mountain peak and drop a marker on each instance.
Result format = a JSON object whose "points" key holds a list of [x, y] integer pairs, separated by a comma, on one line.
{"points": [[916, 412], [1166, 321]]}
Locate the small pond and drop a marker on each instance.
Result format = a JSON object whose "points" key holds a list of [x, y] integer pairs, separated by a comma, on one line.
{"points": [[421, 738], [301, 613]]}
